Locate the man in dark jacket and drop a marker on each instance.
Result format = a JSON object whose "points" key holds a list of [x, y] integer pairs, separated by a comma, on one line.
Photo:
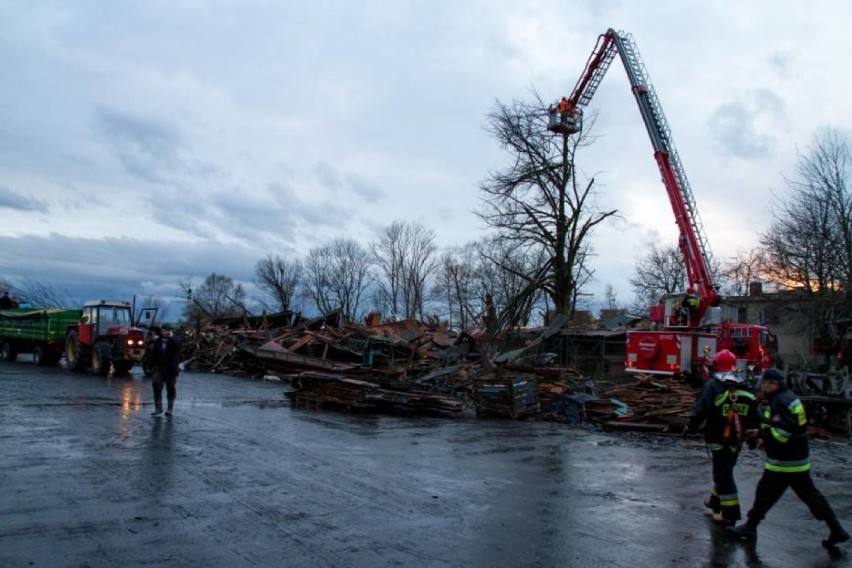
{"points": [[7, 303], [165, 360], [784, 437], [728, 411]]}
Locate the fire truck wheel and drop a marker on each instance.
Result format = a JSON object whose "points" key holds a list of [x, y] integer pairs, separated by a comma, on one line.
{"points": [[101, 359]]}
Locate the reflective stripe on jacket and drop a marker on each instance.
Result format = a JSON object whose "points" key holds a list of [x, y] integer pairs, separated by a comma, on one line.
{"points": [[715, 407], [784, 434]]}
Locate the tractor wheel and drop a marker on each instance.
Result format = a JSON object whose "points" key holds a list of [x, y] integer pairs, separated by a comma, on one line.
{"points": [[7, 352], [39, 357], [74, 358], [101, 359]]}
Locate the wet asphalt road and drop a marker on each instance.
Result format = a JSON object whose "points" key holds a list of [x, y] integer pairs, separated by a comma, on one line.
{"points": [[239, 478]]}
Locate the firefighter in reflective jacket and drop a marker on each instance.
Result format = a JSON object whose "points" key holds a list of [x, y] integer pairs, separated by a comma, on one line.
{"points": [[689, 306], [783, 435], [728, 410], [563, 106]]}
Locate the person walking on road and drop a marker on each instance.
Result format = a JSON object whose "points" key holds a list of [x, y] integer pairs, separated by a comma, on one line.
{"points": [[728, 411], [784, 437], [165, 360]]}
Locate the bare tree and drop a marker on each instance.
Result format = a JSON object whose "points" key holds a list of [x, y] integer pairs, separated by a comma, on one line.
{"points": [[514, 278], [660, 272], [337, 276], [457, 283], [388, 252], [610, 298], [537, 204], [742, 270], [279, 278], [217, 297], [808, 246], [41, 295], [406, 257]]}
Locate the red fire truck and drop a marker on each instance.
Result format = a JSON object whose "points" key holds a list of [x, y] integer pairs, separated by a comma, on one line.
{"points": [[690, 327]]}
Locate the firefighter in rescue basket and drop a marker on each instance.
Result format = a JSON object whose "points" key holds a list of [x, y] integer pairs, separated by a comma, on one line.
{"points": [[728, 411]]}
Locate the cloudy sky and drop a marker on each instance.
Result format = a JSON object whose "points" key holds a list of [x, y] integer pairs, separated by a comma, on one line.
{"points": [[147, 142]]}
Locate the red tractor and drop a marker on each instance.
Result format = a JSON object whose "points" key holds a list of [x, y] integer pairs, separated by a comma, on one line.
{"points": [[105, 338]]}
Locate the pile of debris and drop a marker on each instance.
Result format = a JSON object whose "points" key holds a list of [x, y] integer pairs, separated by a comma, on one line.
{"points": [[416, 367], [651, 404]]}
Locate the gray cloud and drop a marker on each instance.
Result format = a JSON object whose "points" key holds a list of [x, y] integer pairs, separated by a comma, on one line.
{"points": [[735, 127], [781, 61], [327, 175], [147, 148], [367, 190], [12, 200], [118, 268], [330, 178]]}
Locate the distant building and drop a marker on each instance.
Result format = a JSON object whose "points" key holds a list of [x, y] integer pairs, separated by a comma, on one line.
{"points": [[785, 314]]}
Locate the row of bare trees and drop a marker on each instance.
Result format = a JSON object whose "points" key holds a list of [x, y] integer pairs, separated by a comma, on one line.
{"points": [[403, 274], [536, 258]]}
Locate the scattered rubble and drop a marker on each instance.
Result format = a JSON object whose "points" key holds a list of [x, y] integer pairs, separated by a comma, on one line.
{"points": [[416, 367]]}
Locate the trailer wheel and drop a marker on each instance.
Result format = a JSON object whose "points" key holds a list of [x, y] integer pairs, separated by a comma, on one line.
{"points": [[73, 357], [101, 359], [38, 355], [7, 352]]}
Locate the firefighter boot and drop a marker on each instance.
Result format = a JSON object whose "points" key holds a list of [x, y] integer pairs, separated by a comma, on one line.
{"points": [[158, 408], [712, 503], [743, 532], [837, 535], [171, 406]]}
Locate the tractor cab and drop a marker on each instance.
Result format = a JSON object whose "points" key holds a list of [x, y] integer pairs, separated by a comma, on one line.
{"points": [[104, 337], [565, 123], [104, 315]]}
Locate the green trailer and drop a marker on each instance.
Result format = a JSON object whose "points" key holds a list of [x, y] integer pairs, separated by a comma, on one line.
{"points": [[37, 331]]}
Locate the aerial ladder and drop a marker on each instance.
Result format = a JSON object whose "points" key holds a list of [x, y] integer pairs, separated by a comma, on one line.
{"points": [[691, 325]]}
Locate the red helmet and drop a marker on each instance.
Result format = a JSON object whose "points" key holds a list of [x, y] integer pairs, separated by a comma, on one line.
{"points": [[724, 361], [690, 290]]}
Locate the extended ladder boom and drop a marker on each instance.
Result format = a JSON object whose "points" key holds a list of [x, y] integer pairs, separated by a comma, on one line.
{"points": [[692, 242]]}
